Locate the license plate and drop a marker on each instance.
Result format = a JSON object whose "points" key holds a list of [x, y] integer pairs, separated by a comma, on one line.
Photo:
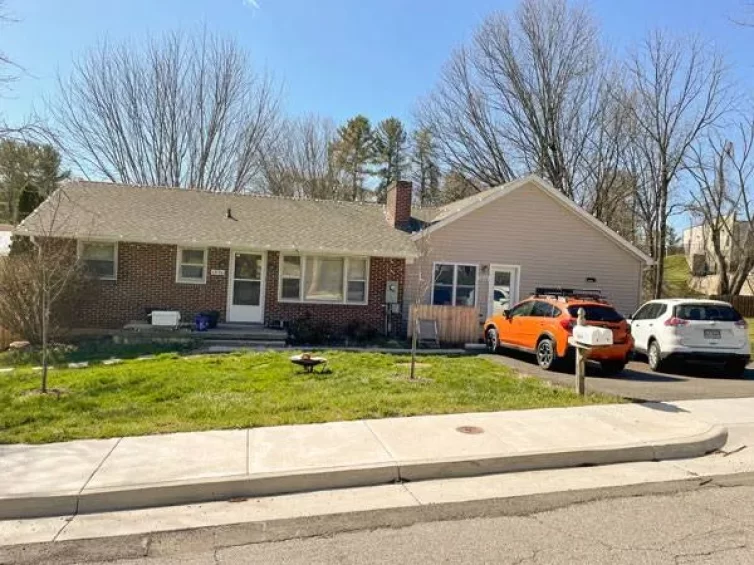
{"points": [[711, 334]]}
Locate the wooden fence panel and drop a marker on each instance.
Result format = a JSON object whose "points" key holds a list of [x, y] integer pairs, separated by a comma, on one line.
{"points": [[744, 304], [455, 324]]}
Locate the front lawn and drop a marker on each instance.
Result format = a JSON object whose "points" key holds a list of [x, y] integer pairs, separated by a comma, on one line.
{"points": [[174, 394]]}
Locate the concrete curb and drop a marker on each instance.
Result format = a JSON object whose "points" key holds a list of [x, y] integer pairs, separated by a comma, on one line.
{"points": [[267, 484], [195, 540]]}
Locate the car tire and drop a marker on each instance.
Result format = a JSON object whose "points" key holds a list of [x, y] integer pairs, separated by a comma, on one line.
{"points": [[491, 340], [612, 368], [547, 355], [654, 357], [735, 369]]}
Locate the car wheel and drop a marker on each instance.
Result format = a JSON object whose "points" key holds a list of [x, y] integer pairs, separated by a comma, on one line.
{"points": [[546, 355], [610, 368], [654, 357], [735, 369], [493, 345]]}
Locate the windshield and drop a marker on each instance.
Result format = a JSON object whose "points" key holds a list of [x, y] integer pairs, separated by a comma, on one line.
{"points": [[707, 313], [596, 313]]}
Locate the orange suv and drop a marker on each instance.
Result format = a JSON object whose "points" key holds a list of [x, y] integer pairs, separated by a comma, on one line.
{"points": [[543, 323]]}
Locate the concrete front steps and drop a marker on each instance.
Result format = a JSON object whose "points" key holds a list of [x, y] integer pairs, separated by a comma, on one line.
{"points": [[239, 335], [90, 476]]}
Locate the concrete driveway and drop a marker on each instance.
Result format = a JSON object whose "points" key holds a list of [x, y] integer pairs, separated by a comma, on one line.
{"points": [[638, 382]]}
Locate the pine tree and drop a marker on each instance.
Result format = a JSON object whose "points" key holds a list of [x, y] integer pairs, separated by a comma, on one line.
{"points": [[29, 172], [353, 152], [390, 154], [456, 186], [426, 170]]}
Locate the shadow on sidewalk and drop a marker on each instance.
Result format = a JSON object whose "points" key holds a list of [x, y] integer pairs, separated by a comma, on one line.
{"points": [[663, 407]]}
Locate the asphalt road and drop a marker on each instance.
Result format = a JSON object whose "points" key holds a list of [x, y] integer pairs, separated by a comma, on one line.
{"points": [[638, 382], [707, 526]]}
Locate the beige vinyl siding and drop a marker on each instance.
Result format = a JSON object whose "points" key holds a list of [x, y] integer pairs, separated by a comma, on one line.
{"points": [[551, 244]]}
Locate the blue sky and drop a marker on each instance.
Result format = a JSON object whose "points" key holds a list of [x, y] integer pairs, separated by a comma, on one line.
{"points": [[336, 57]]}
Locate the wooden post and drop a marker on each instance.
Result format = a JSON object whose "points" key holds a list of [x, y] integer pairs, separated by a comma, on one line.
{"points": [[581, 357]]}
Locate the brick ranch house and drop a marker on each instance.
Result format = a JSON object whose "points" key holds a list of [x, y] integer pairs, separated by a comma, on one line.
{"points": [[271, 260]]}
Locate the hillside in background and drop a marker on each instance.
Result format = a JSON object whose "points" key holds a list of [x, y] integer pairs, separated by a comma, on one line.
{"points": [[677, 277]]}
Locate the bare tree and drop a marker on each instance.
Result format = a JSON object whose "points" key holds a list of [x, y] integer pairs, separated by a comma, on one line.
{"points": [[678, 90], [181, 111], [422, 284], [526, 96], [723, 200], [7, 66], [9, 73], [41, 282], [299, 161]]}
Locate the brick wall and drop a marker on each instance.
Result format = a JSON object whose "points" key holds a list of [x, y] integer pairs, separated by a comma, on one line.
{"points": [[381, 270], [146, 278]]}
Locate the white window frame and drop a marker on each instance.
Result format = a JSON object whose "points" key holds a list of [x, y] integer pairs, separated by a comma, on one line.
{"points": [[179, 261], [304, 258], [455, 280], [80, 256]]}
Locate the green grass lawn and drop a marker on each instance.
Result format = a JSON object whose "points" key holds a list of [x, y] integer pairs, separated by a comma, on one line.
{"points": [[677, 276], [172, 394]]}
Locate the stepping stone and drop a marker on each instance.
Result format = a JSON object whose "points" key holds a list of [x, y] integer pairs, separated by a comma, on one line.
{"points": [[78, 365], [6, 370], [49, 368], [112, 361], [145, 358]]}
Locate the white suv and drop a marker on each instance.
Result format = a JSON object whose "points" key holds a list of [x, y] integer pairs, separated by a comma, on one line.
{"points": [[684, 329]]}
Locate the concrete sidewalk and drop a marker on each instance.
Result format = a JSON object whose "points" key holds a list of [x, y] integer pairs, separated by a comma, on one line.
{"points": [[134, 472]]}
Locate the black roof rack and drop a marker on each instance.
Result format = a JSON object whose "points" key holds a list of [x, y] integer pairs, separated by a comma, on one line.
{"points": [[564, 292]]}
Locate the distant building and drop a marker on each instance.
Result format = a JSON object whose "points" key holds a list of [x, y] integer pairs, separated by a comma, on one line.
{"points": [[699, 250], [6, 230]]}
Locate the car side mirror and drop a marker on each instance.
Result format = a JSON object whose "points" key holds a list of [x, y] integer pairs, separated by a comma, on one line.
{"points": [[507, 314]]}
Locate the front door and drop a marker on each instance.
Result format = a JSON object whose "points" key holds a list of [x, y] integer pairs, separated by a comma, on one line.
{"points": [[503, 294], [246, 287]]}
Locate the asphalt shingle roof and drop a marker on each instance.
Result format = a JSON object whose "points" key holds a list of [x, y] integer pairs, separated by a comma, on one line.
{"points": [[118, 212]]}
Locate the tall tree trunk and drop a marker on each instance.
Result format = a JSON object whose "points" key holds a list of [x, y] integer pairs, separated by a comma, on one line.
{"points": [[662, 234]]}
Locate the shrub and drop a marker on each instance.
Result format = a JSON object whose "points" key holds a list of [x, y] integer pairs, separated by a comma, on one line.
{"points": [[360, 331], [308, 331]]}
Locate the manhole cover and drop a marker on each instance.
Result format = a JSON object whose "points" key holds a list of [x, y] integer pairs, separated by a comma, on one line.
{"points": [[470, 430]]}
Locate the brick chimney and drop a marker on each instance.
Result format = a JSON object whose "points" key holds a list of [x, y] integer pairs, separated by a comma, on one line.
{"points": [[398, 204]]}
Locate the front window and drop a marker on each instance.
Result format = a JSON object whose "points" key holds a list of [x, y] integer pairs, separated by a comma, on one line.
{"points": [[454, 285], [312, 278], [290, 284], [192, 265], [323, 279], [99, 259]]}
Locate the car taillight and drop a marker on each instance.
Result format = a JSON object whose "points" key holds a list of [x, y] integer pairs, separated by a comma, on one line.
{"points": [[568, 324], [742, 324], [674, 322]]}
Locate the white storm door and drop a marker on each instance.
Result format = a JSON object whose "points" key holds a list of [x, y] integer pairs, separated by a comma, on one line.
{"points": [[246, 287]]}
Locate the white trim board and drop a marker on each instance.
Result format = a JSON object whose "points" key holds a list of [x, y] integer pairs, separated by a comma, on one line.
{"points": [[553, 193]]}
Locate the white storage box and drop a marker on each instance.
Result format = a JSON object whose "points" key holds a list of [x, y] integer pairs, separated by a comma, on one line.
{"points": [[591, 335], [166, 318]]}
